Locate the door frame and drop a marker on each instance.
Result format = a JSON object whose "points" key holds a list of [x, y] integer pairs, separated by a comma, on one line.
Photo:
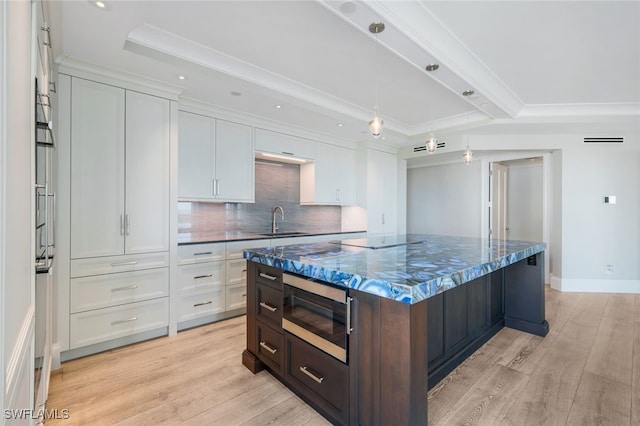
{"points": [[485, 218]]}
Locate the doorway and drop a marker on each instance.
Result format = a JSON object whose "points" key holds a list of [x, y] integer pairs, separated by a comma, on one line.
{"points": [[516, 206]]}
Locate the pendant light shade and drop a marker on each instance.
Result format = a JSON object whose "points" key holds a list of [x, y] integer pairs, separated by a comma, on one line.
{"points": [[467, 156], [376, 124], [431, 144]]}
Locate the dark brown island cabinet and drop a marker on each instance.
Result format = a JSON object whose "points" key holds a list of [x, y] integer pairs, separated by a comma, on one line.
{"points": [[395, 351]]}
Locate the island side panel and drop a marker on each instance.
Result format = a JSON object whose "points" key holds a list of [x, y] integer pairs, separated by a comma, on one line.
{"points": [[249, 358], [524, 296]]}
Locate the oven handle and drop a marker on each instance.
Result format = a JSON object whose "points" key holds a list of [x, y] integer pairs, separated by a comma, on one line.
{"points": [[315, 287]]}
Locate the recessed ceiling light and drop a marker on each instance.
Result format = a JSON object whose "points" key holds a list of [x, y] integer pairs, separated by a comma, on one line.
{"points": [[234, 93], [432, 67], [100, 4], [181, 77], [340, 124], [277, 106], [468, 93]]}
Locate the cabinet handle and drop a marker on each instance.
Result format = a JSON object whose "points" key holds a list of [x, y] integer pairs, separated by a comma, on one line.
{"points": [[315, 378], [124, 320], [267, 276], [337, 195], [287, 153], [244, 295], [124, 263], [202, 276], [349, 329], [218, 187], [121, 224], [202, 303], [383, 218], [202, 253], [129, 287], [268, 348], [268, 307], [127, 224], [47, 30]]}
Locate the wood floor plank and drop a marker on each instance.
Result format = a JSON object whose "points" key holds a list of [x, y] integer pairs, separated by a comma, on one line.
{"points": [[600, 401], [612, 350]]}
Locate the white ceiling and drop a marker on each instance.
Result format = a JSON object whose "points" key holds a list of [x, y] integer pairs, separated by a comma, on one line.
{"points": [[527, 61]]}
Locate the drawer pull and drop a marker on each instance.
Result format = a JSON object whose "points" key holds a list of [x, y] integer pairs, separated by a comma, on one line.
{"points": [[202, 276], [267, 276], [134, 262], [202, 304], [129, 287], [203, 253], [268, 307], [124, 320], [268, 348], [244, 295], [315, 378]]}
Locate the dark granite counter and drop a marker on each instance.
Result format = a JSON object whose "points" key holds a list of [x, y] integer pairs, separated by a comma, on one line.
{"points": [[407, 268], [204, 237]]}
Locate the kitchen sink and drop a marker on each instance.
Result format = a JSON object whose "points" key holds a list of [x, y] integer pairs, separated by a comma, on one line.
{"points": [[283, 234]]}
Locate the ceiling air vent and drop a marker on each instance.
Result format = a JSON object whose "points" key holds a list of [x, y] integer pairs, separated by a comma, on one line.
{"points": [[604, 140], [424, 147]]}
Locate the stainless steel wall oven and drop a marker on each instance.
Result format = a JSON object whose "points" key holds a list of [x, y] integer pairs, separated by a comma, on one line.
{"points": [[318, 313]]}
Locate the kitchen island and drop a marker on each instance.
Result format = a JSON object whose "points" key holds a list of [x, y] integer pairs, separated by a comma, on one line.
{"points": [[416, 307]]}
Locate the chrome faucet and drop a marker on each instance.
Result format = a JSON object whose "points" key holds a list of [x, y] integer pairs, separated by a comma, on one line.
{"points": [[274, 224]]}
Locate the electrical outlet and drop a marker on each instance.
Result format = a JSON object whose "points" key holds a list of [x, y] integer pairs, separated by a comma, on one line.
{"points": [[608, 269]]}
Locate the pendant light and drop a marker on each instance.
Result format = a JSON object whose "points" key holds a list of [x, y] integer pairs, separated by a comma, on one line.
{"points": [[431, 143], [376, 124], [468, 155]]}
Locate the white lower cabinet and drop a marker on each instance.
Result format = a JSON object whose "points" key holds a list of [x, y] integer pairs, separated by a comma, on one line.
{"points": [[201, 303], [101, 325], [201, 290]]}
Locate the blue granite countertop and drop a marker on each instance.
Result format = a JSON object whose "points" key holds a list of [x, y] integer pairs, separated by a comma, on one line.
{"points": [[406, 268]]}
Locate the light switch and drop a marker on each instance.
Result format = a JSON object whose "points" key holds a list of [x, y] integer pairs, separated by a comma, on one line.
{"points": [[609, 199]]}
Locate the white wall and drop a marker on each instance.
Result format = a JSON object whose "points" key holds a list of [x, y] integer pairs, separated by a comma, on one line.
{"points": [[16, 195], [444, 199]]}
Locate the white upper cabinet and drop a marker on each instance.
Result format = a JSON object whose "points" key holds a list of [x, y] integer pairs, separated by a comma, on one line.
{"points": [[331, 179], [284, 145], [119, 172], [215, 160], [234, 162]]}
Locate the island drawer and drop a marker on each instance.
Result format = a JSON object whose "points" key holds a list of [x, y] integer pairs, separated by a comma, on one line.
{"points": [[269, 275], [319, 376], [269, 307], [270, 347]]}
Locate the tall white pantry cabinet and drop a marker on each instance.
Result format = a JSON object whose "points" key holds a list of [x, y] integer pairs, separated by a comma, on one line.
{"points": [[116, 144]]}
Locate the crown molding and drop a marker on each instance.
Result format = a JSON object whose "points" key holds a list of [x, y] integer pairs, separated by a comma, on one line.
{"points": [[581, 110], [83, 69]]}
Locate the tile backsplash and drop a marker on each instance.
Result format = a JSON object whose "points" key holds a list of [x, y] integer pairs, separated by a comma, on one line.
{"points": [[277, 184]]}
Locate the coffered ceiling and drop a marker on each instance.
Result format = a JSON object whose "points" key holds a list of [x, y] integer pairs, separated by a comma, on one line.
{"points": [[314, 65]]}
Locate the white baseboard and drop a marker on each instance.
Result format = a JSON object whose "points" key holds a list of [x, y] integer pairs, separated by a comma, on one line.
{"points": [[20, 358], [595, 286]]}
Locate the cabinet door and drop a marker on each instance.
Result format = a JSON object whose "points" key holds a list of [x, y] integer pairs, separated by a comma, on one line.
{"points": [[147, 173], [326, 176], [97, 169], [234, 162], [346, 176], [382, 192], [195, 156]]}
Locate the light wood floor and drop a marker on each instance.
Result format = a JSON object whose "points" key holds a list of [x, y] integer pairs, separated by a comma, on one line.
{"points": [[586, 371]]}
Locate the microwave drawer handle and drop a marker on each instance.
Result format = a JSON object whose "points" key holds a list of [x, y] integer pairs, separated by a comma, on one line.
{"points": [[268, 348], [268, 307], [267, 276], [315, 378]]}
